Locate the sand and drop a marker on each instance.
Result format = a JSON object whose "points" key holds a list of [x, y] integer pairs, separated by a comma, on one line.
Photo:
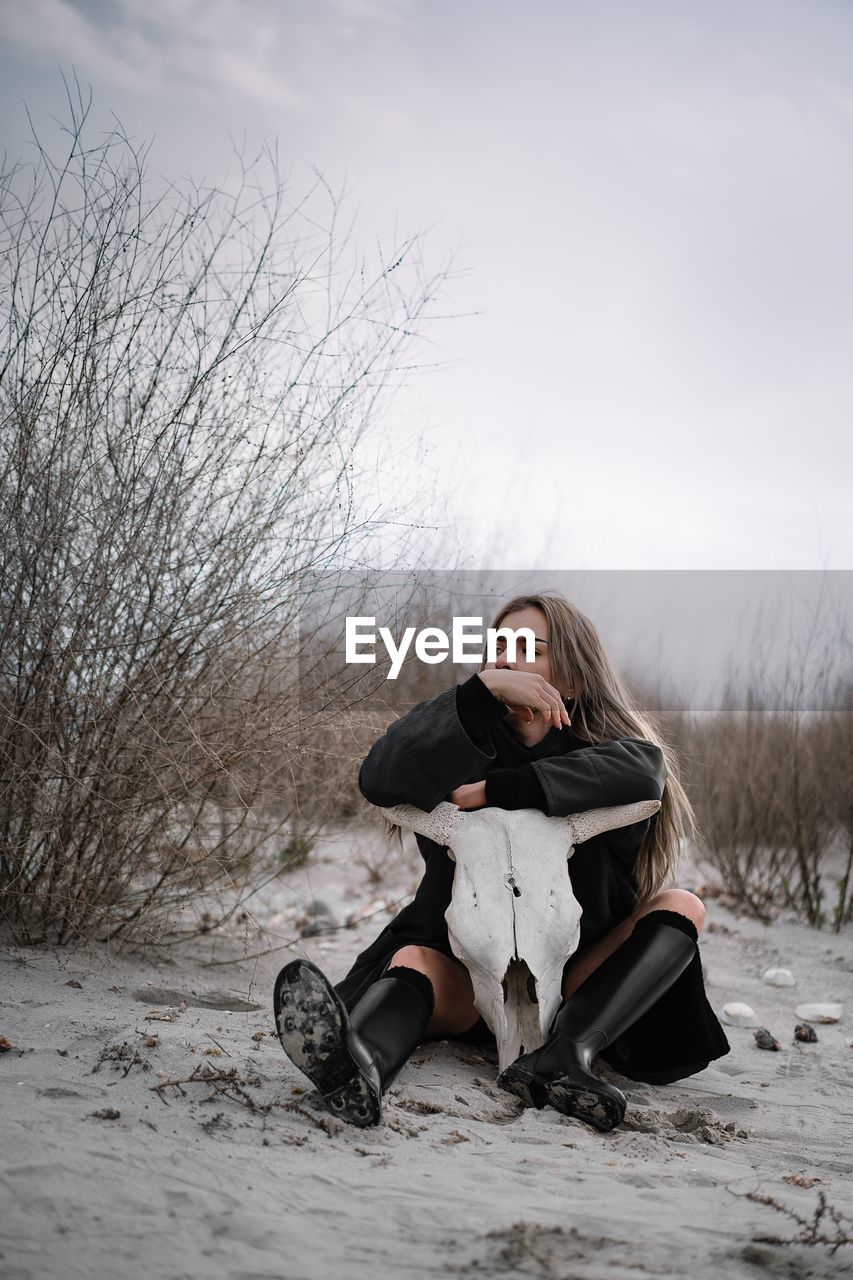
{"points": [[110, 1171]]}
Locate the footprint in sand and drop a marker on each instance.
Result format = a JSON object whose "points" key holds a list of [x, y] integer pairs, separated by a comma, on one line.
{"points": [[225, 1001], [685, 1124], [487, 1104], [561, 1253]]}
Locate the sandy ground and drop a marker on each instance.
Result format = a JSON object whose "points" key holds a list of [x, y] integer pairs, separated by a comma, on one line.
{"points": [[110, 1171]]}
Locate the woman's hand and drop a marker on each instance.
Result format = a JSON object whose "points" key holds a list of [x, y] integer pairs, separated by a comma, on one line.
{"points": [[526, 694], [472, 795]]}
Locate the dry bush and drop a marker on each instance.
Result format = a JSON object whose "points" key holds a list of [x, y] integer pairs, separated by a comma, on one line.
{"points": [[837, 780], [184, 378], [355, 705], [769, 774], [345, 709]]}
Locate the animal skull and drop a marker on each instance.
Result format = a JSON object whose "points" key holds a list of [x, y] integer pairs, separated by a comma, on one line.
{"points": [[513, 915]]}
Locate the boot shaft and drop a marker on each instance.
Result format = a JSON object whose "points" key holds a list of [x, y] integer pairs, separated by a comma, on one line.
{"points": [[391, 1019], [628, 982]]}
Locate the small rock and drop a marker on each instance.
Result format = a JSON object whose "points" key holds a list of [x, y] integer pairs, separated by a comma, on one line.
{"points": [[779, 977], [108, 1113], [802, 1031], [318, 908], [739, 1015], [5, 1045], [765, 1040], [819, 1012], [74, 983], [323, 924]]}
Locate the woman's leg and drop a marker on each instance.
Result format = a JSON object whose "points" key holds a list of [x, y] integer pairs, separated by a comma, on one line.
{"points": [[351, 1058], [609, 988], [454, 1010], [680, 900]]}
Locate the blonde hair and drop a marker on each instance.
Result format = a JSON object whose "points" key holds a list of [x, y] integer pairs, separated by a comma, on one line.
{"points": [[605, 709]]}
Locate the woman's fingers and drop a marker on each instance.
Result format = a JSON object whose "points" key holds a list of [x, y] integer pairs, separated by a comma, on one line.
{"points": [[526, 689], [552, 706]]}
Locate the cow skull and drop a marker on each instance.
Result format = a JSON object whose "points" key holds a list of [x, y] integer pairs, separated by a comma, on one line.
{"points": [[513, 919]]}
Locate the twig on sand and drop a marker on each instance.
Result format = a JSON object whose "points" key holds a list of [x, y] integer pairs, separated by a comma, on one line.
{"points": [[812, 1231], [223, 1084], [219, 1046], [119, 1053], [256, 955], [329, 1124]]}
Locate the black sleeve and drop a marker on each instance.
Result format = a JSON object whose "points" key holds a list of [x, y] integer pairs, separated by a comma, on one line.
{"points": [[479, 710], [515, 789], [429, 751], [612, 773]]}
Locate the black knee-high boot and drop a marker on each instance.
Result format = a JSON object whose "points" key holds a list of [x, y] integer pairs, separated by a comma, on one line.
{"points": [[351, 1058], [613, 997]]}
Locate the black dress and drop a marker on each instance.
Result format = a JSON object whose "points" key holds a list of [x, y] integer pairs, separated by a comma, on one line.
{"points": [[461, 736]]}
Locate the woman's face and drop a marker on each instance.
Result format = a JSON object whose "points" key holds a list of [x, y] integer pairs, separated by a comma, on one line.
{"points": [[537, 622]]}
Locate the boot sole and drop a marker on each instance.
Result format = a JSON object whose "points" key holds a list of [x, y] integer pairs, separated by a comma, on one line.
{"points": [[311, 1020], [603, 1110], [525, 1086]]}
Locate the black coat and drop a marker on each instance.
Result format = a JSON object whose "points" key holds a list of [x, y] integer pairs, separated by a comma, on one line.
{"points": [[461, 736]]}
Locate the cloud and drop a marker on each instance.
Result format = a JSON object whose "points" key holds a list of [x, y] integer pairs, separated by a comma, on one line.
{"points": [[271, 52]]}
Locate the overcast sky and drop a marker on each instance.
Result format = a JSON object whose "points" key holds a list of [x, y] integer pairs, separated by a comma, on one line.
{"points": [[651, 207]]}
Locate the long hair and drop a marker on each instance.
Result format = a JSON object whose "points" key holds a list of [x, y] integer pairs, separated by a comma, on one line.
{"points": [[604, 709]]}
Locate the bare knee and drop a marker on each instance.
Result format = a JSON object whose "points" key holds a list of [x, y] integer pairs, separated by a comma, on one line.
{"points": [[413, 957], [443, 971], [682, 901], [454, 1009]]}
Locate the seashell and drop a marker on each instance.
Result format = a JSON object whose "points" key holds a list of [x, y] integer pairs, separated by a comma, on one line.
{"points": [[802, 1031], [780, 977], [739, 1015], [819, 1012], [765, 1040]]}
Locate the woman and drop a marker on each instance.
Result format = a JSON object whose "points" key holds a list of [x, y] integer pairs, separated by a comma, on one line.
{"points": [[559, 733]]}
